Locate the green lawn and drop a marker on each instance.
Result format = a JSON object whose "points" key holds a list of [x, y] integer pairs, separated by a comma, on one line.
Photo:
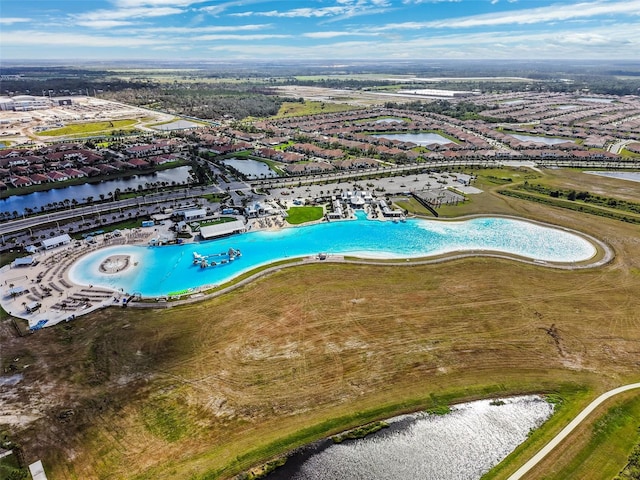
{"points": [[600, 446], [298, 215], [89, 128]]}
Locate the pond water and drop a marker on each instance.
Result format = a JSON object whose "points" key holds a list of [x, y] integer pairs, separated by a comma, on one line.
{"points": [[596, 100], [417, 138], [166, 270], [36, 200], [390, 120], [251, 168], [631, 176], [462, 445], [541, 139], [177, 125]]}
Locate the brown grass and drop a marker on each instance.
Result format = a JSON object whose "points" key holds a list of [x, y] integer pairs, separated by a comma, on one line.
{"points": [[218, 386]]}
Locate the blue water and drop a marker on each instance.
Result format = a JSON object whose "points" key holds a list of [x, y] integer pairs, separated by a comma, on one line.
{"points": [[251, 168], [80, 192], [163, 270]]}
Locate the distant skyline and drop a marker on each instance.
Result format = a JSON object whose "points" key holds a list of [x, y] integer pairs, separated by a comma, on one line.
{"points": [[319, 29]]}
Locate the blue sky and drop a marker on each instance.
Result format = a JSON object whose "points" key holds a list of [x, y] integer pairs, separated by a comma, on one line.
{"points": [[319, 29]]}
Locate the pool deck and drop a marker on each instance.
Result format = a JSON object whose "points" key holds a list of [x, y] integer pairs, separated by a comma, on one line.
{"points": [[47, 281]]}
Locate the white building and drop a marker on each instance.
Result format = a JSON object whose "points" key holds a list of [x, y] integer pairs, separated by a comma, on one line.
{"points": [[24, 103], [195, 214], [222, 229], [50, 243]]}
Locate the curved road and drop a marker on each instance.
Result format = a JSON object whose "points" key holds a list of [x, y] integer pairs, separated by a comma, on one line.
{"points": [[524, 469]]}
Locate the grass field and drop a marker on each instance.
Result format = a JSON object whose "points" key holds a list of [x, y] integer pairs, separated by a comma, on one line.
{"points": [[298, 215], [210, 389], [90, 128], [296, 109]]}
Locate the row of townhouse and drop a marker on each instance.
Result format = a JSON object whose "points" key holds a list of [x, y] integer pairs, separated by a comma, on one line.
{"points": [[23, 168]]}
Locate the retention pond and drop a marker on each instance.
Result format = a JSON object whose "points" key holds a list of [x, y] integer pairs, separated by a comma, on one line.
{"points": [[461, 445]]}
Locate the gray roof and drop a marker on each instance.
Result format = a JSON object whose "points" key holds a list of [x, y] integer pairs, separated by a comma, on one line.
{"points": [[19, 262], [221, 229], [59, 240]]}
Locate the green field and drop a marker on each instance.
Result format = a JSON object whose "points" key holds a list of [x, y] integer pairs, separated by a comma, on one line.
{"points": [[298, 215], [90, 128], [296, 109]]}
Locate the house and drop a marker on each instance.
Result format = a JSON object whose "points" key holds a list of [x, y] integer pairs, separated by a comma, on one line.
{"points": [[57, 176], [18, 181], [141, 150], [73, 173], [137, 163], [195, 214], [38, 178], [91, 171]]}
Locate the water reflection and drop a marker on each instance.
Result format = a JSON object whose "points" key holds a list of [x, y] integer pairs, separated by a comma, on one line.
{"points": [[80, 193], [462, 445], [250, 168]]}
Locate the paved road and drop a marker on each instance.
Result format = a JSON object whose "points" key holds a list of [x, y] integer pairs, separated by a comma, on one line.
{"points": [[569, 428], [23, 224]]}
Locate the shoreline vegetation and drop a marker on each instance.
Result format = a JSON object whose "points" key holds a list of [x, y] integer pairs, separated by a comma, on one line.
{"points": [[360, 432]]}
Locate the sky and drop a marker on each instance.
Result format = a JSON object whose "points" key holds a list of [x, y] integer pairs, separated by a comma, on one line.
{"points": [[319, 29]]}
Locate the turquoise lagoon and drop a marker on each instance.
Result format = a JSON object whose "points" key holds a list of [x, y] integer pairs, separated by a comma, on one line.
{"points": [[159, 271]]}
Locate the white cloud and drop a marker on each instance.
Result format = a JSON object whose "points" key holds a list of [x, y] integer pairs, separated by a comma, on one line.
{"points": [[554, 13], [297, 12], [208, 29], [48, 40], [221, 7], [103, 23], [12, 20], [334, 34], [549, 14], [343, 8], [619, 41], [155, 3], [244, 38], [126, 14], [418, 2]]}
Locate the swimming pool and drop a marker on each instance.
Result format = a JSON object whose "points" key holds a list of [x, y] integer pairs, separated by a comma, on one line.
{"points": [[166, 270]]}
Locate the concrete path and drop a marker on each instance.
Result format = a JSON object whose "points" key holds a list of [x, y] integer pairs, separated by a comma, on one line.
{"points": [[569, 428]]}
